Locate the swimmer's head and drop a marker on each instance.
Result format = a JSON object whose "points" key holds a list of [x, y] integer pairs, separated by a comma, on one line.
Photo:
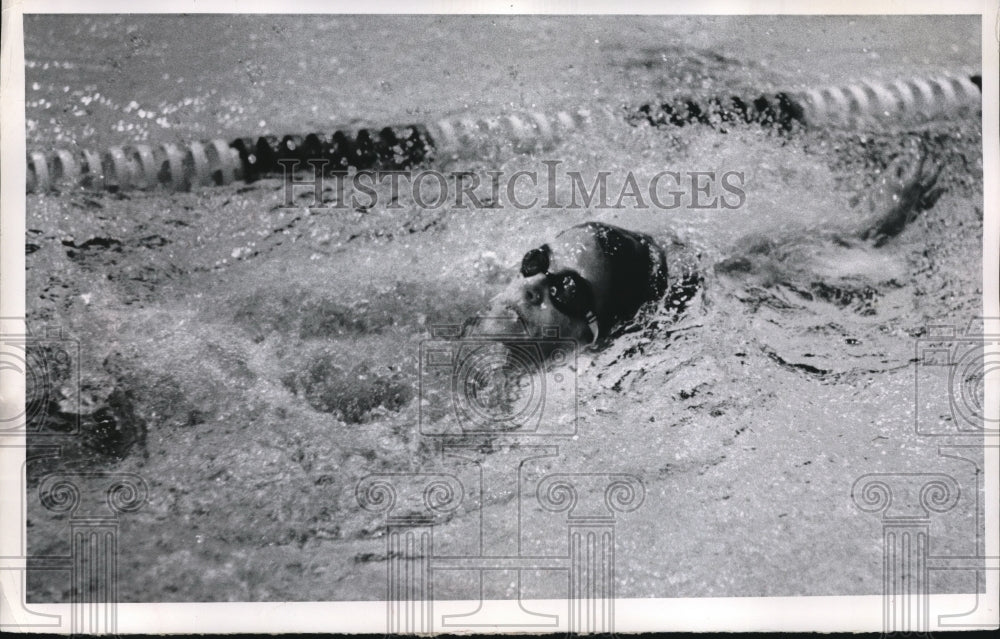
{"points": [[581, 283]]}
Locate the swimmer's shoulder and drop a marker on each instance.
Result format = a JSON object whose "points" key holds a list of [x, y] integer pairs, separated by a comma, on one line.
{"points": [[684, 269]]}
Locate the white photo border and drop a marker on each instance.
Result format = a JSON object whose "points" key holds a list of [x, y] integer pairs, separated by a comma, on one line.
{"points": [[828, 614]]}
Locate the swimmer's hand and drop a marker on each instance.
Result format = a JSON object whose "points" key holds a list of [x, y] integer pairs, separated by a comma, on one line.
{"points": [[906, 187]]}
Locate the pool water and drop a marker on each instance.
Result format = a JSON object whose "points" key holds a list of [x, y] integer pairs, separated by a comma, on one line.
{"points": [[265, 358]]}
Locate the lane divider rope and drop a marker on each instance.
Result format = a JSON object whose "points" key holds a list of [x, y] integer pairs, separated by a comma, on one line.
{"points": [[859, 105], [204, 163], [917, 98]]}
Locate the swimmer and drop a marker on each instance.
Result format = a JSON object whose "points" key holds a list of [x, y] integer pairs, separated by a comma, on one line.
{"points": [[594, 276]]}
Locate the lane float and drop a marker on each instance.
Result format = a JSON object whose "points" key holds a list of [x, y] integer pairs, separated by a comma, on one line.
{"points": [[194, 165], [779, 110], [523, 131], [170, 166], [866, 103], [916, 99]]}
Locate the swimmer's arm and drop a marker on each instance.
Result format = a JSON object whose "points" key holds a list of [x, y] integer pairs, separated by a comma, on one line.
{"points": [[907, 187]]}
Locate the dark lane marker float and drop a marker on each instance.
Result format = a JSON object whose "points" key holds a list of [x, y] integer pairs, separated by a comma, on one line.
{"points": [[217, 162]]}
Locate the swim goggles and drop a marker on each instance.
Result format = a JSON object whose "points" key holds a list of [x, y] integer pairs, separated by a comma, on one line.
{"points": [[569, 292]]}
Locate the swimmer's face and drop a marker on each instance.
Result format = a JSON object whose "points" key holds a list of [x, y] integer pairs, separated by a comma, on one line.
{"points": [[561, 286]]}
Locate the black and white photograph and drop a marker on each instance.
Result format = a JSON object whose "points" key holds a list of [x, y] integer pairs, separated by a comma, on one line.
{"points": [[550, 318]]}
